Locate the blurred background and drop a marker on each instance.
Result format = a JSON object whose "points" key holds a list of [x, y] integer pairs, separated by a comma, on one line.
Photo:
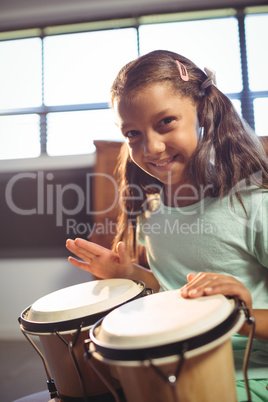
{"points": [[58, 140]]}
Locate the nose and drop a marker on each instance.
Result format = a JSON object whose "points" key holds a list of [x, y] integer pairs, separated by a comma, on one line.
{"points": [[153, 144]]}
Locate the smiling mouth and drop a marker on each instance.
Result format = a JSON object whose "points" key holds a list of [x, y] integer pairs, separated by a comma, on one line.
{"points": [[164, 163]]}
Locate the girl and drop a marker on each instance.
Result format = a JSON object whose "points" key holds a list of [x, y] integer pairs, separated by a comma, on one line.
{"points": [[193, 188]]}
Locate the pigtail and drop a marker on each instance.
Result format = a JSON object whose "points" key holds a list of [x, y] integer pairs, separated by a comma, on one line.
{"points": [[125, 228], [238, 154], [200, 169]]}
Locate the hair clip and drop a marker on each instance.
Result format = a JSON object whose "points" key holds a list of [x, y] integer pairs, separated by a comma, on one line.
{"points": [[211, 74], [211, 79], [183, 71]]}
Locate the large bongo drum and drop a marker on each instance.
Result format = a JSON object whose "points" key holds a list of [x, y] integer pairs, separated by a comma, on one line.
{"points": [[165, 348], [61, 320]]}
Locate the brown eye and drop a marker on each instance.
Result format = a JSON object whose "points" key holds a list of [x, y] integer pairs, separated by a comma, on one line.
{"points": [[165, 123], [131, 134], [167, 120]]}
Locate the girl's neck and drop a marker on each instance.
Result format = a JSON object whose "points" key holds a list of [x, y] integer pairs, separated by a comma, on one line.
{"points": [[183, 195]]}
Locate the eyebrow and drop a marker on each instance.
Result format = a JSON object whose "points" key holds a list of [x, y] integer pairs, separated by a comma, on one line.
{"points": [[162, 113], [124, 127]]}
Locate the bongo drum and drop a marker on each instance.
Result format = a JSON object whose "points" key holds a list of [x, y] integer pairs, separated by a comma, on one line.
{"points": [[165, 348], [62, 320]]}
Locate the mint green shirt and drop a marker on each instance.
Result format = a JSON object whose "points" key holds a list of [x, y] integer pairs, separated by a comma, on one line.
{"points": [[213, 236]]}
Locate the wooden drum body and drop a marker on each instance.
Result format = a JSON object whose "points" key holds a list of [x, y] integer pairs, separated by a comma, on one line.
{"points": [[168, 349], [62, 321]]}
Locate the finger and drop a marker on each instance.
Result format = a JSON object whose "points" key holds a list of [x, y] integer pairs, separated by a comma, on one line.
{"points": [[121, 250], [195, 281], [224, 286], [84, 255], [89, 246], [197, 284], [229, 289], [69, 243], [184, 289], [79, 264], [210, 287], [80, 244], [191, 276], [202, 279], [80, 252]]}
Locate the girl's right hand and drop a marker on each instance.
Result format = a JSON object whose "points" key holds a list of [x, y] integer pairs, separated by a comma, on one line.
{"points": [[100, 261]]}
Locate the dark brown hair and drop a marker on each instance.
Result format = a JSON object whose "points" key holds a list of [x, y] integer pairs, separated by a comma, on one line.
{"points": [[238, 154]]}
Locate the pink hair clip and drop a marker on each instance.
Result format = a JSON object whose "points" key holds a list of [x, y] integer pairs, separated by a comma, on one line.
{"points": [[183, 71]]}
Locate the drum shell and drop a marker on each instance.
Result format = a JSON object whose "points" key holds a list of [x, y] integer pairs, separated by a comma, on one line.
{"points": [[63, 369], [207, 377], [151, 368], [61, 336]]}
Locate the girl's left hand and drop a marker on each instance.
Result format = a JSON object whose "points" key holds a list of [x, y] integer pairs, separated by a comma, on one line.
{"points": [[207, 284]]}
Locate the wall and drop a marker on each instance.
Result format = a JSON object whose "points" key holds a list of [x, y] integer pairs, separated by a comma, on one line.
{"points": [[17, 14], [25, 281]]}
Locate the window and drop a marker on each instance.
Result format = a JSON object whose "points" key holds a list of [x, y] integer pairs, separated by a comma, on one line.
{"points": [[80, 68], [19, 136], [204, 43], [257, 49], [74, 132], [54, 97], [260, 110], [21, 88], [21, 73]]}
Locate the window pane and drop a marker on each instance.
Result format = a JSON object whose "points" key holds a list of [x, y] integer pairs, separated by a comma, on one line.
{"points": [[19, 136], [21, 73], [257, 50], [237, 105], [260, 114], [80, 68], [73, 133], [208, 43]]}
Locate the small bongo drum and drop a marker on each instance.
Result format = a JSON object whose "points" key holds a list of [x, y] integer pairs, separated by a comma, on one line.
{"points": [[165, 348], [62, 320]]}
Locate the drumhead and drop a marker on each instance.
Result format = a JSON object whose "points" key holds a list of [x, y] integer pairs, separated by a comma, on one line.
{"points": [[90, 301], [161, 323]]}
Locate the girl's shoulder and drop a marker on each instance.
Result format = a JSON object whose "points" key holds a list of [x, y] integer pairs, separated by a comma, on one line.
{"points": [[249, 203], [252, 193]]}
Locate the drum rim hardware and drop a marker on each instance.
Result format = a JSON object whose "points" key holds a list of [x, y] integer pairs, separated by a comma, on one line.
{"points": [[169, 349], [250, 321], [59, 328], [180, 348], [71, 324], [50, 381]]}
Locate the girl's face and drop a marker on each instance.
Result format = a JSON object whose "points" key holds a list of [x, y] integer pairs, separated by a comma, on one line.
{"points": [[161, 132]]}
